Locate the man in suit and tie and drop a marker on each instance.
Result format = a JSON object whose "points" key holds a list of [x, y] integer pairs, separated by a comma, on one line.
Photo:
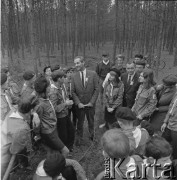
{"points": [[85, 90], [131, 85]]}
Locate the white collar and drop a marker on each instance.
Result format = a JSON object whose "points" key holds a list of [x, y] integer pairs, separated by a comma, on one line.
{"points": [[16, 115], [106, 63], [53, 86]]}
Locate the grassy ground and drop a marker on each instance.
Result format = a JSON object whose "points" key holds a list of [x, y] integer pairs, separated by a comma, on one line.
{"points": [[89, 155]]}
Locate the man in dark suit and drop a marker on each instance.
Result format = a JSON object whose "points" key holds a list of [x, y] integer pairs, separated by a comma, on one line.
{"points": [[131, 85], [85, 90]]}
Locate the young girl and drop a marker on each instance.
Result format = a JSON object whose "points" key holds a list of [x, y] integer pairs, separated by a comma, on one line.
{"points": [[113, 96], [145, 102]]}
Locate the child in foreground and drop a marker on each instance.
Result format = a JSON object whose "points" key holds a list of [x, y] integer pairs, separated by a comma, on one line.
{"points": [[115, 148]]}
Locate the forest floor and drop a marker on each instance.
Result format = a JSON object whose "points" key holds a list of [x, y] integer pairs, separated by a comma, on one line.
{"points": [[90, 154]]}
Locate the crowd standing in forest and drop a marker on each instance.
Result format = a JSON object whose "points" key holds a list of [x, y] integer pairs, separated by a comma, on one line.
{"points": [[140, 116]]}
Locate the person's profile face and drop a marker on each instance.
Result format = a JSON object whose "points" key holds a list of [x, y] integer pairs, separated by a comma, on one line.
{"points": [[48, 72], [78, 64], [139, 68], [130, 68], [119, 61]]}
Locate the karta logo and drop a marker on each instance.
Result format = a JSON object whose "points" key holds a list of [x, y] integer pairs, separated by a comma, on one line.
{"points": [[141, 170]]}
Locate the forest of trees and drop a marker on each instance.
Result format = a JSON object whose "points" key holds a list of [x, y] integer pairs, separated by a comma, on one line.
{"points": [[46, 25]]}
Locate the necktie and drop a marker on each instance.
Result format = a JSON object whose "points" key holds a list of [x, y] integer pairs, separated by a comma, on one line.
{"points": [[129, 79], [82, 78]]}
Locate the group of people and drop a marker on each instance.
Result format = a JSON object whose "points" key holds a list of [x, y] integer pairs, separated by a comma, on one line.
{"points": [[51, 108]]}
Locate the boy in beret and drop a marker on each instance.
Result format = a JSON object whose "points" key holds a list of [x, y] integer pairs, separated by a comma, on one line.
{"points": [[137, 136], [58, 96], [47, 115], [28, 87]]}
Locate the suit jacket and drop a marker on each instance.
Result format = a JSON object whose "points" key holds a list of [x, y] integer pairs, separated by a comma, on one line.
{"points": [[130, 90], [86, 94]]}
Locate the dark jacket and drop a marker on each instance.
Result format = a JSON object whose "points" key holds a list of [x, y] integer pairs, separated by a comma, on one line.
{"points": [[102, 69], [113, 95], [55, 95], [130, 89], [86, 94]]}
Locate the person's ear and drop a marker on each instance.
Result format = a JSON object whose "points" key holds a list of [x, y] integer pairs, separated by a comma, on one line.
{"points": [[151, 160]]}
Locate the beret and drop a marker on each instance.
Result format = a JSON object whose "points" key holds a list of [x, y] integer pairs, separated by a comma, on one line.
{"points": [[28, 75], [125, 113], [170, 80], [3, 78], [54, 164]]}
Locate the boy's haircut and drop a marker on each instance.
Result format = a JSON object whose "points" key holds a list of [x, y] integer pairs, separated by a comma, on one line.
{"points": [[80, 57], [157, 147], [26, 104], [57, 74], [139, 56], [41, 84], [115, 143], [46, 68]]}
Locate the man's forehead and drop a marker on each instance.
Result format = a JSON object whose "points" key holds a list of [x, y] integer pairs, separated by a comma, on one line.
{"points": [[77, 60]]}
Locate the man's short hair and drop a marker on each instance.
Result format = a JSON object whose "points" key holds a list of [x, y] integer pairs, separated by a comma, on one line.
{"points": [[79, 57], [120, 56], [157, 147], [140, 56], [115, 143], [41, 84], [57, 74]]}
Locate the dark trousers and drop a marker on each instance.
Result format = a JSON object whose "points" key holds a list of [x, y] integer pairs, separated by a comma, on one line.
{"points": [[66, 131], [89, 112], [73, 111], [171, 137], [53, 141]]}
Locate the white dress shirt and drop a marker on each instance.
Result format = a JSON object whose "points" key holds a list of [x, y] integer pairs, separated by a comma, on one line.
{"points": [[84, 72]]}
